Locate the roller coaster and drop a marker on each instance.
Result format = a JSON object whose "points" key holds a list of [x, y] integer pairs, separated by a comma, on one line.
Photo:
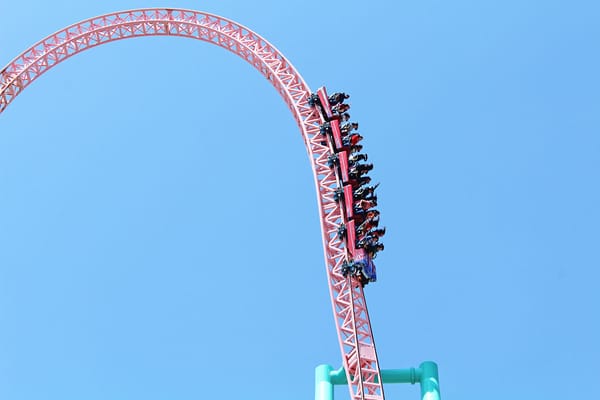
{"points": [[345, 196]]}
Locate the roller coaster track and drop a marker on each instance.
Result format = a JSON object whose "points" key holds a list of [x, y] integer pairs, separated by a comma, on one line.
{"points": [[347, 296]]}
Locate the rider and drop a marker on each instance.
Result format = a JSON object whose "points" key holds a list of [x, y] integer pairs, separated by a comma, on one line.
{"points": [[337, 98]]}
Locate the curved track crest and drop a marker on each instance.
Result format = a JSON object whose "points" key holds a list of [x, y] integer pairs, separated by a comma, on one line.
{"points": [[347, 297]]}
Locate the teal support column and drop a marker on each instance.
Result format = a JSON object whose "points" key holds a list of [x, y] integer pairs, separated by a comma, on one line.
{"points": [[323, 384], [430, 385]]}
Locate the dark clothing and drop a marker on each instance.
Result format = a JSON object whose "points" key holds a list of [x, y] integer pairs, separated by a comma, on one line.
{"points": [[337, 98]]}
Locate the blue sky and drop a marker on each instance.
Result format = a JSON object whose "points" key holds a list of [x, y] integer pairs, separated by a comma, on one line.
{"points": [[159, 236]]}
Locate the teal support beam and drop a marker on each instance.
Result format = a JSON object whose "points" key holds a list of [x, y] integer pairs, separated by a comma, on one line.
{"points": [[323, 384], [427, 375], [410, 375], [338, 377], [430, 384]]}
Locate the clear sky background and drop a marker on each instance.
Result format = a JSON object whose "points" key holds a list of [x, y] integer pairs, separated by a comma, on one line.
{"points": [[159, 235]]}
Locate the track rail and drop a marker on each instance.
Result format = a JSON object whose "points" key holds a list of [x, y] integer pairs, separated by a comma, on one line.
{"points": [[347, 296]]}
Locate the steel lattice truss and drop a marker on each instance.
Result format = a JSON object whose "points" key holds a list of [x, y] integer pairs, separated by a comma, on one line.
{"points": [[347, 297]]}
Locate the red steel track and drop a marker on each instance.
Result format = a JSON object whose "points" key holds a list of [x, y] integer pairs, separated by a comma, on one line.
{"points": [[347, 297]]}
